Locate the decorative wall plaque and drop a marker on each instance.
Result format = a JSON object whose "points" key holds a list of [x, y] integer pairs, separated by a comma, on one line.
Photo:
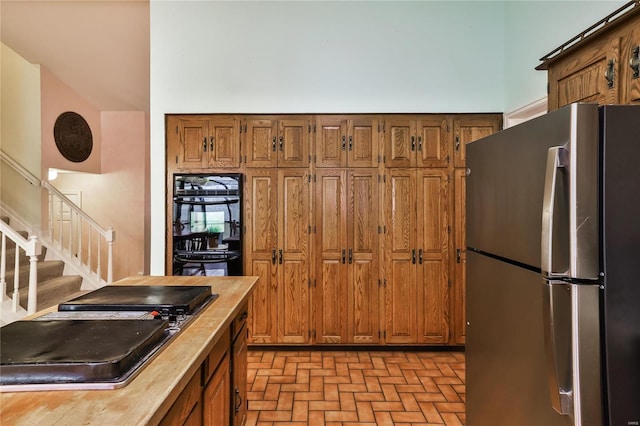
{"points": [[73, 136]]}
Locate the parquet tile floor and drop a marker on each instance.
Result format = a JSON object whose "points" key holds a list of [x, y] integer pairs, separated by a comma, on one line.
{"points": [[355, 388]]}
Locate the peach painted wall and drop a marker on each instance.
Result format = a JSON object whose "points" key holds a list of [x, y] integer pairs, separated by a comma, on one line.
{"points": [[57, 98], [113, 179]]}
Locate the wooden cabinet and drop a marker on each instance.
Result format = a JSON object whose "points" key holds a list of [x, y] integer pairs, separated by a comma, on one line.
{"points": [[201, 141], [277, 142], [469, 128], [277, 217], [187, 410], [416, 273], [421, 141], [347, 241], [598, 66], [239, 367], [217, 395], [346, 141], [459, 268]]}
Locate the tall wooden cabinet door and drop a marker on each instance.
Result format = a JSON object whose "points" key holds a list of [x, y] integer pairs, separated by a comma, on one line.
{"points": [[261, 142], [400, 270], [400, 142], [433, 142], [331, 249], [631, 61], [216, 396], [362, 143], [261, 237], [331, 142], [293, 256], [293, 142], [467, 130], [224, 142], [591, 76], [459, 238], [363, 323], [194, 134], [433, 256]]}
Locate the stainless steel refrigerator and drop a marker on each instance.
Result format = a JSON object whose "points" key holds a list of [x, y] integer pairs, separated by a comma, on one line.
{"points": [[553, 270]]}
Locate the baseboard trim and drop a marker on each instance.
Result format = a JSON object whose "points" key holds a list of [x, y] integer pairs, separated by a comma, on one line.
{"points": [[355, 348]]}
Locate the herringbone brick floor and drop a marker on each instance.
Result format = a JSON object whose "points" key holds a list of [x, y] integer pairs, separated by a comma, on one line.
{"points": [[355, 388]]}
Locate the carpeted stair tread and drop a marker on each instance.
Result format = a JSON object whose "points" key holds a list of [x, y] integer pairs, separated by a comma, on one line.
{"points": [[23, 258], [47, 270], [54, 291]]}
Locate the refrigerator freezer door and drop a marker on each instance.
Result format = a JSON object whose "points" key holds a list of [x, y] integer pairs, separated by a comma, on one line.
{"points": [[505, 190], [506, 360]]}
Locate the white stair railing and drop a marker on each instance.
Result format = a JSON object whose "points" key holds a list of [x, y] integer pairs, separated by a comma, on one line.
{"points": [[72, 232], [32, 248]]}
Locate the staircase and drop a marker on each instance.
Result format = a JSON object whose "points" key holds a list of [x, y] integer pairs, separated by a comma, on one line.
{"points": [[53, 286]]}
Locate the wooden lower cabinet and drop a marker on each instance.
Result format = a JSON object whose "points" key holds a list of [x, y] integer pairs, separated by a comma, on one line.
{"points": [[347, 290], [416, 272], [217, 394]]}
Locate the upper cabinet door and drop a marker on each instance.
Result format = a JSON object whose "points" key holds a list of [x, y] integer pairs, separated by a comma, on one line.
{"points": [[331, 142], [433, 142], [593, 76], [194, 133], [261, 143], [467, 130], [224, 142], [293, 142], [362, 142], [400, 142], [346, 141], [631, 62]]}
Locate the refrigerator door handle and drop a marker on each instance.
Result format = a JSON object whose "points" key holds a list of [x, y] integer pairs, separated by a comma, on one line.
{"points": [[557, 339], [556, 158]]}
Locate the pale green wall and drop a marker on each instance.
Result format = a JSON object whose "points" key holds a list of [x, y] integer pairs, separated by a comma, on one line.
{"points": [[318, 57], [20, 132]]}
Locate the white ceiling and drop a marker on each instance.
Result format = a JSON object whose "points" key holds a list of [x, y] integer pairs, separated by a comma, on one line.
{"points": [[98, 48]]}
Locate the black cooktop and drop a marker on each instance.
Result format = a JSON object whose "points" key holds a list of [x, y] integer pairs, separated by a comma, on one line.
{"points": [[166, 300], [75, 351]]}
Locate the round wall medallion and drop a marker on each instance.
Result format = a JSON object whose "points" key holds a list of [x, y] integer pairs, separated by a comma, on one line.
{"points": [[73, 136]]}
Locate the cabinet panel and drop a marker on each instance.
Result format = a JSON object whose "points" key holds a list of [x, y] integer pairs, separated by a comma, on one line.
{"points": [[260, 143], [293, 141], [363, 241], [346, 141], [261, 219], [433, 256], [223, 146], [401, 290], [470, 129], [363, 142], [293, 270], [217, 396], [630, 58], [399, 142], [187, 410], [239, 395], [331, 243], [433, 142], [331, 141], [194, 133], [460, 244]]}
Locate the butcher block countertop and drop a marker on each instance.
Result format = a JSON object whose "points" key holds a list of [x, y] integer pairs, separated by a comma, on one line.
{"points": [[147, 398]]}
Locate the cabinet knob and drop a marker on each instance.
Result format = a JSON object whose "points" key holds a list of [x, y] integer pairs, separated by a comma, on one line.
{"points": [[634, 61]]}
